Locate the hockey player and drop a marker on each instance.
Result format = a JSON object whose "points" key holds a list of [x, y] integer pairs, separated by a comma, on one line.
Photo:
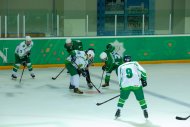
{"points": [[76, 64], [22, 56], [132, 77], [112, 61], [90, 55]]}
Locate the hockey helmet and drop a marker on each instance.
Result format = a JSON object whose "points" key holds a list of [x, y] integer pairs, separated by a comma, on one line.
{"points": [[127, 58], [103, 56], [90, 54], [28, 38], [110, 47], [78, 41], [68, 40]]}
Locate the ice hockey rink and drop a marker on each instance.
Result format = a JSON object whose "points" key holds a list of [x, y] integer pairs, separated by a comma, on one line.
{"points": [[43, 102]]}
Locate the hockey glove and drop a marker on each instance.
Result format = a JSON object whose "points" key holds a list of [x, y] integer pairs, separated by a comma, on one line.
{"points": [[24, 63], [143, 82], [84, 74], [28, 54], [73, 58], [104, 67]]}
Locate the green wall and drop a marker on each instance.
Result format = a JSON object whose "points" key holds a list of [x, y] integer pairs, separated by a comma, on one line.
{"points": [[51, 51]]}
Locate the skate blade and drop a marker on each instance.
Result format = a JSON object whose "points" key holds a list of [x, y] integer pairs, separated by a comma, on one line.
{"points": [[14, 78]]}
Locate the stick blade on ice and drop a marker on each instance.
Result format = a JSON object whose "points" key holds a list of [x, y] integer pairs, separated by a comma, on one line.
{"points": [[182, 118], [53, 78], [179, 118], [97, 104]]}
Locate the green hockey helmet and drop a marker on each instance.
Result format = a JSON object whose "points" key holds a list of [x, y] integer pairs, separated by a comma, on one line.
{"points": [[110, 47]]}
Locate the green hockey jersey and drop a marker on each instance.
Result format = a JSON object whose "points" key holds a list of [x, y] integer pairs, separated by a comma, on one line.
{"points": [[114, 61]]}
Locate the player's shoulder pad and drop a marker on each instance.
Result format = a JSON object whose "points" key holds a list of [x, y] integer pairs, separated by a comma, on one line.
{"points": [[22, 44], [135, 62]]}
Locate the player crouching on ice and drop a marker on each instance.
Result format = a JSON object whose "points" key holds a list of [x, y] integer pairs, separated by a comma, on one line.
{"points": [[112, 61], [76, 64], [132, 78], [22, 56]]}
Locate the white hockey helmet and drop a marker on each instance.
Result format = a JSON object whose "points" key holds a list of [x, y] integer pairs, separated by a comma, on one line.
{"points": [[78, 41], [90, 54], [68, 40], [28, 38], [103, 56]]}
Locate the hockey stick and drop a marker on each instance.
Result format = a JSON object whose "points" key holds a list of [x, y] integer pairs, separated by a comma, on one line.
{"points": [[92, 83], [101, 79], [182, 118], [96, 87], [54, 78], [107, 100], [22, 74]]}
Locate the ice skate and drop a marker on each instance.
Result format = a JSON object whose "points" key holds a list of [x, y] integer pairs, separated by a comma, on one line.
{"points": [[117, 114], [76, 90], [14, 77], [71, 87], [90, 86], [32, 75], [145, 114], [105, 85]]}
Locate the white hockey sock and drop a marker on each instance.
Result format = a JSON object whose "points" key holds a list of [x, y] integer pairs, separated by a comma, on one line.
{"points": [[75, 80], [71, 80], [31, 72], [119, 108], [14, 73]]}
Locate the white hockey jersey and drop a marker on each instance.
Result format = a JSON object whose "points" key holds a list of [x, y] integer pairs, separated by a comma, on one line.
{"points": [[81, 61], [129, 74], [22, 49]]}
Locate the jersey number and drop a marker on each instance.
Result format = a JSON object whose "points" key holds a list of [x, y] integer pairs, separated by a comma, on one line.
{"points": [[129, 73], [116, 56]]}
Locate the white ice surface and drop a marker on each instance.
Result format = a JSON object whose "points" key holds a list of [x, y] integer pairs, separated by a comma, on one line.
{"points": [[43, 102]]}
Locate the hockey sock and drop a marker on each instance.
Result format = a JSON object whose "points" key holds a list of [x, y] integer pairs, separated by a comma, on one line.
{"points": [[16, 67], [75, 80], [143, 104], [120, 102], [29, 65]]}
